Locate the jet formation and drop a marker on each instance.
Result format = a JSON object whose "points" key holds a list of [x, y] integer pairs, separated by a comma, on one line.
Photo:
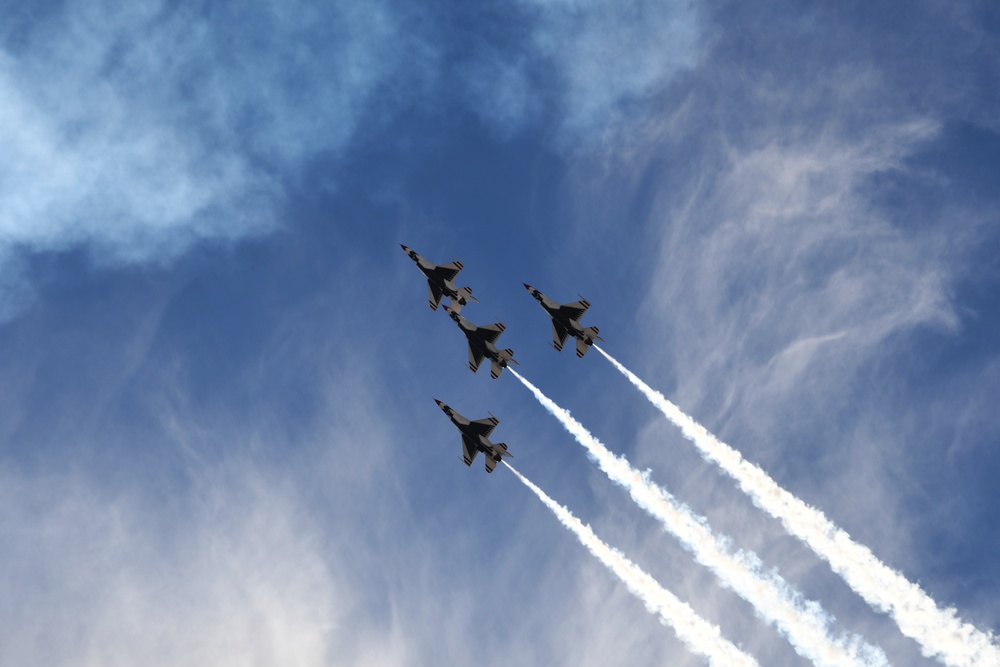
{"points": [[482, 345]]}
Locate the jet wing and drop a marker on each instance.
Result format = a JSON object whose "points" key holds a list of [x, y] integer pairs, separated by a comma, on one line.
{"points": [[575, 310], [484, 426], [491, 332], [469, 451], [447, 271], [475, 358], [559, 335], [434, 294]]}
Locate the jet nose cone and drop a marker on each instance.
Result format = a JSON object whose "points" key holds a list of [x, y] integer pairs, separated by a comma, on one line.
{"points": [[527, 286], [447, 310], [405, 249], [438, 402]]}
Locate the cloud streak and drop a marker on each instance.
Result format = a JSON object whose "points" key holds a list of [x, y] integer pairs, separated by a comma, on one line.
{"points": [[584, 68], [610, 54]]}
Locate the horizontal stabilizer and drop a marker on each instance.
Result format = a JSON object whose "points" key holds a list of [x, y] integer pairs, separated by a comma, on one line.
{"points": [[465, 294]]}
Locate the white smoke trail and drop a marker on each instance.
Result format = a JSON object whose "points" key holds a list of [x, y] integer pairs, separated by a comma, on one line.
{"points": [[801, 621], [939, 632], [697, 634]]}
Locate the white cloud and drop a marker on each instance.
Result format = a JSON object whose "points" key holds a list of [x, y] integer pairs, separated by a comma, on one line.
{"points": [[138, 130], [589, 66], [95, 578], [613, 53]]}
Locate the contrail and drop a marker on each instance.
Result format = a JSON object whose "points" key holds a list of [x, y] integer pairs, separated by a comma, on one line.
{"points": [[697, 634], [801, 621], [939, 632]]}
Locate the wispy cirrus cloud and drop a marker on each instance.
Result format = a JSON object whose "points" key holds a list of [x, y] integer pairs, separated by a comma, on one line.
{"points": [[229, 578], [612, 54], [583, 66]]}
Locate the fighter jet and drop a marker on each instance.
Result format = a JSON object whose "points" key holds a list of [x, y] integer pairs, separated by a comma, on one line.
{"points": [[475, 438], [566, 321], [481, 344], [439, 281]]}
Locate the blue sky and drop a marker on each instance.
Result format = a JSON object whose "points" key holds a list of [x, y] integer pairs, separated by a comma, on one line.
{"points": [[218, 440]]}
